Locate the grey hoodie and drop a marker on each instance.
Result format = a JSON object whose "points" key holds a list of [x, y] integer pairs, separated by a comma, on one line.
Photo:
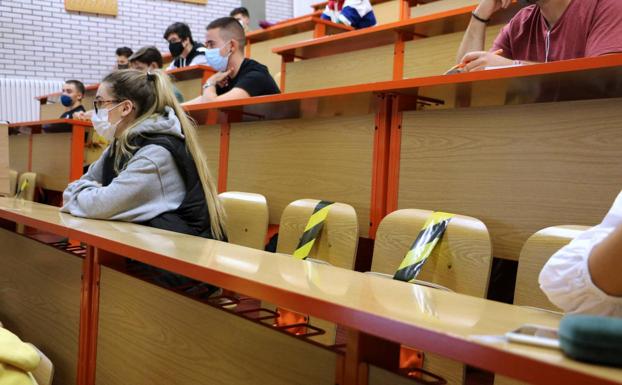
{"points": [[149, 185]]}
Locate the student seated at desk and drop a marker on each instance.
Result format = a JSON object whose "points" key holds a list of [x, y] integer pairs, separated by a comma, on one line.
{"points": [[547, 30], [154, 173], [186, 52], [584, 276], [123, 57], [357, 14], [241, 14], [238, 77], [149, 59], [71, 98]]}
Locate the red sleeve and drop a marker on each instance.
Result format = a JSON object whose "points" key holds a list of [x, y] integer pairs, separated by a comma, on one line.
{"points": [[503, 42], [605, 34]]}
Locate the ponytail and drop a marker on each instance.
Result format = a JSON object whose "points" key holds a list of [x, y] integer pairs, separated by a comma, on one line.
{"points": [[151, 93]]}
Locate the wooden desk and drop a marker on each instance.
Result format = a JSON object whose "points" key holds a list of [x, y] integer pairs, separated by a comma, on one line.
{"points": [[164, 334], [57, 158], [373, 145], [259, 44], [187, 79], [425, 45]]}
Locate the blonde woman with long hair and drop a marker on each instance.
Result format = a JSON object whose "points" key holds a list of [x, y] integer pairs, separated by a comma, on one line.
{"points": [[154, 172]]}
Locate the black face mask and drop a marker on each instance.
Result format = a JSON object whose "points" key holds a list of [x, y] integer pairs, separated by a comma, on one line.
{"points": [[123, 66], [176, 48]]}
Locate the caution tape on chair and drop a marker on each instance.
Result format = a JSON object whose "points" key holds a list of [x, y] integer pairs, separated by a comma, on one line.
{"points": [[312, 229], [424, 244]]}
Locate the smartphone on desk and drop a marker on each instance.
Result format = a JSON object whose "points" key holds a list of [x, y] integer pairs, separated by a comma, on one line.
{"points": [[535, 335]]}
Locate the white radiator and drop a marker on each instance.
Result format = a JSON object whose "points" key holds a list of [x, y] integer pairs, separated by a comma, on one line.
{"points": [[17, 98]]}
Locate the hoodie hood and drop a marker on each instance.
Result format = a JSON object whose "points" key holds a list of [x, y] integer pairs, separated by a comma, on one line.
{"points": [[164, 124]]}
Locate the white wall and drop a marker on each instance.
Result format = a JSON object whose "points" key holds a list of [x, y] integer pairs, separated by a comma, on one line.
{"points": [[303, 7], [39, 39]]}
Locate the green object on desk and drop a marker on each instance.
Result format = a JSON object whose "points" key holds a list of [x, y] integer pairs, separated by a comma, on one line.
{"points": [[592, 339]]}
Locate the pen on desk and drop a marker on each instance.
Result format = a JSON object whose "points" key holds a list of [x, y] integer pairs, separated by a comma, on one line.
{"points": [[463, 64]]}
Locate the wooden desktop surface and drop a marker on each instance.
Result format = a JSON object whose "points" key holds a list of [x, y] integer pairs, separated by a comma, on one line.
{"points": [[585, 78], [440, 322], [294, 26]]}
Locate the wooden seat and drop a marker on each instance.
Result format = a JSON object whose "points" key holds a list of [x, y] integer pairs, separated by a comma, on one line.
{"points": [[44, 373], [339, 237], [534, 254], [336, 245], [461, 262], [247, 218], [12, 184], [28, 182]]}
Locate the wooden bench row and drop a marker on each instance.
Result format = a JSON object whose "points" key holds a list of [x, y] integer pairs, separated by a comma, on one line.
{"points": [[461, 143], [97, 317]]}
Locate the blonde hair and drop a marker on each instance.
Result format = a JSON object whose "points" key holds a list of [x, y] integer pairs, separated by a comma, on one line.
{"points": [[151, 93]]}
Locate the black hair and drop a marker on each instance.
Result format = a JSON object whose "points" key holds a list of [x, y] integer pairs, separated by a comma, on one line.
{"points": [[124, 51], [240, 11], [147, 55], [181, 29], [231, 28], [78, 84]]}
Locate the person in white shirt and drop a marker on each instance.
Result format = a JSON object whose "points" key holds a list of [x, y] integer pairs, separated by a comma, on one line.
{"points": [[585, 275]]}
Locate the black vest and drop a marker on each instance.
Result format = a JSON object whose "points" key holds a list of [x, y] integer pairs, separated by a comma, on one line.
{"points": [[192, 216]]}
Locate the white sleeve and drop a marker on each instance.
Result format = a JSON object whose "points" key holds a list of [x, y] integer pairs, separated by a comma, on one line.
{"points": [[566, 280], [199, 59]]}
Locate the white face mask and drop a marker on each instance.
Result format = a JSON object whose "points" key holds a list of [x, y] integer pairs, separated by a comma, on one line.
{"points": [[102, 126]]}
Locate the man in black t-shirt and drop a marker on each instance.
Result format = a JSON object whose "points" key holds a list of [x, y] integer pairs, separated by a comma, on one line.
{"points": [[237, 77]]}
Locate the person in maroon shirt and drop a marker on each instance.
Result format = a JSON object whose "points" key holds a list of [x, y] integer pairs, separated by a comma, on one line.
{"points": [[547, 30]]}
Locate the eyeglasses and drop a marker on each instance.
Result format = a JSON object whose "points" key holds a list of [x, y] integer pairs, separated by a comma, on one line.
{"points": [[97, 104]]}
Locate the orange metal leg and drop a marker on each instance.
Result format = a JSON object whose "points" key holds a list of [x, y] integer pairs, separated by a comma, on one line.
{"points": [[319, 30], [223, 162], [398, 57], [380, 163], [30, 152], [77, 152], [86, 328], [405, 9], [395, 147], [247, 49], [284, 60]]}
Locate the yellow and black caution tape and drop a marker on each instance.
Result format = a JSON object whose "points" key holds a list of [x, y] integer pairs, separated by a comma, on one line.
{"points": [[313, 229], [432, 231]]}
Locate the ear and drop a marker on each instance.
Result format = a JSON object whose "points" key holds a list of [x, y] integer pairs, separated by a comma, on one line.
{"points": [[235, 46], [153, 66], [126, 107]]}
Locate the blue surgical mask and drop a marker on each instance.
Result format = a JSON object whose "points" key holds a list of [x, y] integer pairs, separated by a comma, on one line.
{"points": [[66, 100], [216, 60]]}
